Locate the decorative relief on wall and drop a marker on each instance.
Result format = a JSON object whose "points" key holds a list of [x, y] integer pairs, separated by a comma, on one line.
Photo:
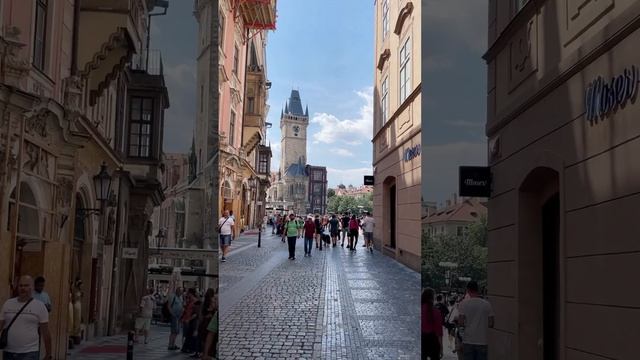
{"points": [[16, 67], [523, 54], [36, 124], [582, 14]]}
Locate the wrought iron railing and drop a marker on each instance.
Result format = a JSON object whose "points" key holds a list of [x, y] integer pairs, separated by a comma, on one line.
{"points": [[149, 61]]}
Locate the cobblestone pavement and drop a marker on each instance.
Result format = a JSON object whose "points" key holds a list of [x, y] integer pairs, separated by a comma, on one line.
{"points": [[115, 348], [335, 305]]}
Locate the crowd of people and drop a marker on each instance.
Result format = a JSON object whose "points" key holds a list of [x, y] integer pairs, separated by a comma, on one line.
{"points": [[193, 315], [466, 320], [323, 230]]}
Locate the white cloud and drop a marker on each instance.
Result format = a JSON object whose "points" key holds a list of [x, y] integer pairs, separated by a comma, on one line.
{"points": [[347, 131], [181, 75], [347, 177], [341, 152], [275, 157]]}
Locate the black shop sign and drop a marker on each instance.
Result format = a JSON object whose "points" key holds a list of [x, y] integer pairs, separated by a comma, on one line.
{"points": [[475, 181]]}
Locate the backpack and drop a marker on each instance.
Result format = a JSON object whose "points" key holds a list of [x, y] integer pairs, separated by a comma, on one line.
{"points": [[353, 224]]}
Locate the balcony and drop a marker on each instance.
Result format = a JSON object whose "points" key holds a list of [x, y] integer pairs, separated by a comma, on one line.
{"points": [[257, 14], [107, 38], [146, 72]]}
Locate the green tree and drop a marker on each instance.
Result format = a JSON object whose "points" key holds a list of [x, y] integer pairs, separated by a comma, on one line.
{"points": [[331, 193], [468, 252]]}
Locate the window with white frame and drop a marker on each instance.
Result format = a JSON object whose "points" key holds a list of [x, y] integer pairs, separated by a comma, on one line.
{"points": [[385, 18], [405, 70], [384, 100]]}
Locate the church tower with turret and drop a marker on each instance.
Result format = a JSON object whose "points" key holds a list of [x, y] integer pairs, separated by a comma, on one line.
{"points": [[293, 160]]}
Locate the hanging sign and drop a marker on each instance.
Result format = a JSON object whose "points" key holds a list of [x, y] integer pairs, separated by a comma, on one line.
{"points": [[368, 180], [602, 97], [475, 181], [129, 253]]}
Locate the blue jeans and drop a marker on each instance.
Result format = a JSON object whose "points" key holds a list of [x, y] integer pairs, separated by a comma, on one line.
{"points": [[474, 352], [308, 243], [21, 356]]}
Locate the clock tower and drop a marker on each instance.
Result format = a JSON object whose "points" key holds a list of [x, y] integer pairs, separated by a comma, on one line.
{"points": [[293, 129]]}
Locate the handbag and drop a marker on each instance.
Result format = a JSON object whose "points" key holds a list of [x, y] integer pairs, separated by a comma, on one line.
{"points": [[4, 337]]}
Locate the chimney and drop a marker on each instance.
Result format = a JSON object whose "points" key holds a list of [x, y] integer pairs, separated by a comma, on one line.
{"points": [[455, 198]]}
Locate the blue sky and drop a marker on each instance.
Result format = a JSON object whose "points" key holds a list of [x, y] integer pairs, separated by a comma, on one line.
{"points": [[324, 49], [454, 92]]}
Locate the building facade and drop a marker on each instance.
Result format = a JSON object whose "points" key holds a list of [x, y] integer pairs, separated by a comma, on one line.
{"points": [[79, 103], [242, 169], [317, 186], [397, 130], [563, 138]]}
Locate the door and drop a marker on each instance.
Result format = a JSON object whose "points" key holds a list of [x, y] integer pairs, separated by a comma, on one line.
{"points": [[550, 270]]}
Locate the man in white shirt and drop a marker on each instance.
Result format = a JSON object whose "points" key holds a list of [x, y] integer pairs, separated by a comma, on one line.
{"points": [[476, 317], [143, 321], [31, 321], [226, 226], [368, 223]]}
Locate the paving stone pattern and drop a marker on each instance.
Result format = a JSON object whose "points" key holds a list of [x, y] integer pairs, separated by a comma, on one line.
{"points": [[335, 305]]}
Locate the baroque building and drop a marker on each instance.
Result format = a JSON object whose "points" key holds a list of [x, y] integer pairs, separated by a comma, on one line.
{"points": [[82, 102]]}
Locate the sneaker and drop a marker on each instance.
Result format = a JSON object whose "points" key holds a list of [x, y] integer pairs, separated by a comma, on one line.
{"points": [[371, 250], [223, 259]]}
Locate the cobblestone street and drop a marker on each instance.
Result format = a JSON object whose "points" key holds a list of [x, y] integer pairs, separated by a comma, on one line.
{"points": [[335, 305]]}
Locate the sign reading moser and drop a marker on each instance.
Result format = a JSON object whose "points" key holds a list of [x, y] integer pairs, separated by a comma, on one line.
{"points": [[475, 181]]}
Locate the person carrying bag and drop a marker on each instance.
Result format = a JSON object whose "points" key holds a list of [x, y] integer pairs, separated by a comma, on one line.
{"points": [[4, 337]]}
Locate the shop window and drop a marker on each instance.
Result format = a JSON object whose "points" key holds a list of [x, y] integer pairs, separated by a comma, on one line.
{"points": [[140, 126]]}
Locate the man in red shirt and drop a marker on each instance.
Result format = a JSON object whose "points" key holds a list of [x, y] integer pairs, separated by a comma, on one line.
{"points": [[309, 232]]}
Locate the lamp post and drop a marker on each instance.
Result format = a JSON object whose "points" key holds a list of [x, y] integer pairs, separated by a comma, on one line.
{"points": [[102, 188]]}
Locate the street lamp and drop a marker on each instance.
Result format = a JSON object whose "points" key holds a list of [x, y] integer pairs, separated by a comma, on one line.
{"points": [[102, 187]]}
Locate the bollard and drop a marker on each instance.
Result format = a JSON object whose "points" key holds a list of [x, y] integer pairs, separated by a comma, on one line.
{"points": [[259, 236], [130, 338]]}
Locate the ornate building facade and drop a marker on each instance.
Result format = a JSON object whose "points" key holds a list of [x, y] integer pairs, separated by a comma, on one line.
{"points": [[80, 108]]}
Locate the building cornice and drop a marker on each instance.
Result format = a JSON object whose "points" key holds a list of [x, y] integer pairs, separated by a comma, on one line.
{"points": [[409, 100]]}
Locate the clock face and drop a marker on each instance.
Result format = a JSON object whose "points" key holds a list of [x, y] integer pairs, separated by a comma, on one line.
{"points": [[296, 130]]}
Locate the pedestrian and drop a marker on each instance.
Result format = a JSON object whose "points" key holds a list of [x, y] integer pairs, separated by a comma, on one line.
{"points": [[353, 232], [23, 321], [334, 225], [143, 321], [476, 317], [188, 316], [431, 327], [211, 343], [265, 220], [40, 294], [368, 225], [345, 228], [206, 314], [175, 308], [309, 233], [291, 229], [226, 226], [318, 223]]}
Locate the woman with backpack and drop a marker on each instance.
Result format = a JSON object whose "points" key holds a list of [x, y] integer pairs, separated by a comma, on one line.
{"points": [[431, 327], [353, 232]]}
